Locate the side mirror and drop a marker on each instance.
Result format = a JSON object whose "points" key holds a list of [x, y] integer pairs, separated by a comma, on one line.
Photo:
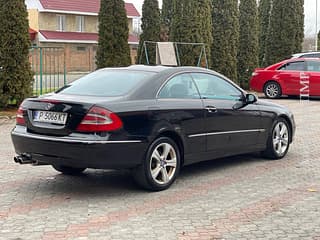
{"points": [[251, 98], [246, 100]]}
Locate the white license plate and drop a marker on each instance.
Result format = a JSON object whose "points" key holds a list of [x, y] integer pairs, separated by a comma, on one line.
{"points": [[50, 117]]}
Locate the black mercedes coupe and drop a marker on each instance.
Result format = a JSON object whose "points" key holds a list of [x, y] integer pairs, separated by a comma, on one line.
{"points": [[150, 119]]}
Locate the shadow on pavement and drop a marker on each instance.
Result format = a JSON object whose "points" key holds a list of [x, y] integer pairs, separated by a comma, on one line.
{"points": [[112, 183]]}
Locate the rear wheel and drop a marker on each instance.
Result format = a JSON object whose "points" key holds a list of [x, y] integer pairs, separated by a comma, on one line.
{"points": [[272, 90], [279, 140], [68, 170], [160, 166]]}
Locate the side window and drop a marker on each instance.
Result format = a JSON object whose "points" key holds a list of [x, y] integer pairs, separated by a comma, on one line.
{"points": [[296, 66], [180, 86], [214, 87], [313, 66]]}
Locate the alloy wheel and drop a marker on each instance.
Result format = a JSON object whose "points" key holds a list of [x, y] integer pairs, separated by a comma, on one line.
{"points": [[163, 163], [272, 90], [280, 138]]}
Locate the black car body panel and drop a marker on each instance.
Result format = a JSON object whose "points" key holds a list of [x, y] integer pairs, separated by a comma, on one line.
{"points": [[79, 150], [203, 128]]}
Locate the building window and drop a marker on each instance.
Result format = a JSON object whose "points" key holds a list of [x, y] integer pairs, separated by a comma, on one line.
{"points": [[81, 48], [80, 23], [61, 23]]}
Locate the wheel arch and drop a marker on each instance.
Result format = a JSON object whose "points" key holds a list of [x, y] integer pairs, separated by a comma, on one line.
{"points": [[285, 117]]}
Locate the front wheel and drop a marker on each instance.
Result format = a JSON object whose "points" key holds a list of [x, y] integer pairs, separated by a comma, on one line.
{"points": [[272, 90], [279, 140], [68, 170], [160, 166]]}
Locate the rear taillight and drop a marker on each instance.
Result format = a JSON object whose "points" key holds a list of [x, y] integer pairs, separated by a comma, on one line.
{"points": [[99, 120], [19, 118]]}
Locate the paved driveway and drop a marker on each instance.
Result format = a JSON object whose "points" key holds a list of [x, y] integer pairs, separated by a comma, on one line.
{"points": [[244, 197]]}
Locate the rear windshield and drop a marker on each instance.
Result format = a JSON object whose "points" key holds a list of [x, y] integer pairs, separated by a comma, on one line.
{"points": [[109, 83]]}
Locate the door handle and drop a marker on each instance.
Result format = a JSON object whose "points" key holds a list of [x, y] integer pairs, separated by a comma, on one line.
{"points": [[211, 109]]}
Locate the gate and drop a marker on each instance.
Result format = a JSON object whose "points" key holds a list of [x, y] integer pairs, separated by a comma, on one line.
{"points": [[49, 67]]}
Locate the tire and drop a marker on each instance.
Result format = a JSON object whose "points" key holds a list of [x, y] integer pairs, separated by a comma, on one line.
{"points": [[68, 170], [278, 142], [272, 90], [160, 167]]}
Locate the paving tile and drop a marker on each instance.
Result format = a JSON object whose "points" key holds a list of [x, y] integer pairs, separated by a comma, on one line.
{"points": [[244, 197]]}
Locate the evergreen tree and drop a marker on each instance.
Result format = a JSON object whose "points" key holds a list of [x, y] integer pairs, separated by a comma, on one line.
{"points": [[150, 29], [286, 30], [224, 50], [113, 48], [299, 38], [166, 18], [248, 42], [191, 23], [264, 22], [15, 71]]}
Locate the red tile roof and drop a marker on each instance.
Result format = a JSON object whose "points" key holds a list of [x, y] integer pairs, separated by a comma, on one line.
{"points": [[32, 31], [133, 39], [88, 6], [78, 36], [32, 34], [75, 36]]}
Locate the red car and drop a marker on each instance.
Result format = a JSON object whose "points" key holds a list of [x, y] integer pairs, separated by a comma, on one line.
{"points": [[293, 77]]}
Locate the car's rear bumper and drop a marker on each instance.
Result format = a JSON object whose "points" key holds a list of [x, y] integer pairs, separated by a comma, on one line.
{"points": [[256, 85], [79, 152]]}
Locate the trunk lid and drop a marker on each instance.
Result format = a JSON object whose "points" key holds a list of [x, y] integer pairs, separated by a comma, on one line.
{"points": [[58, 114]]}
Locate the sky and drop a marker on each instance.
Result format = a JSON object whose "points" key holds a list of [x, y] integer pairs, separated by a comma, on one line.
{"points": [[310, 14]]}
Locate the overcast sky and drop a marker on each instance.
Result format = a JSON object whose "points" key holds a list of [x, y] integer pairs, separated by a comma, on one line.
{"points": [[310, 14]]}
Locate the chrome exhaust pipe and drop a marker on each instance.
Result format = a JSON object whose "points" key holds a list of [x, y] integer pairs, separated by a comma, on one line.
{"points": [[17, 159], [24, 159]]}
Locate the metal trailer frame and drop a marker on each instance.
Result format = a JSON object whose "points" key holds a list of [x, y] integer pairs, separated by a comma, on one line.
{"points": [[176, 46]]}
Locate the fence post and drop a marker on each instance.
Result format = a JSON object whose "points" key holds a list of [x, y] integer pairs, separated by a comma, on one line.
{"points": [[64, 67], [41, 70], [46, 65]]}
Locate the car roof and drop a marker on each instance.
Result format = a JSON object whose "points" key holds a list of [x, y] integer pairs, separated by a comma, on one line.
{"points": [[290, 60], [297, 55], [166, 71], [158, 68], [148, 68], [301, 59]]}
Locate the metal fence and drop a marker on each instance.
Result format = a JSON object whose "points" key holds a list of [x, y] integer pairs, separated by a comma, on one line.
{"points": [[49, 67]]}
